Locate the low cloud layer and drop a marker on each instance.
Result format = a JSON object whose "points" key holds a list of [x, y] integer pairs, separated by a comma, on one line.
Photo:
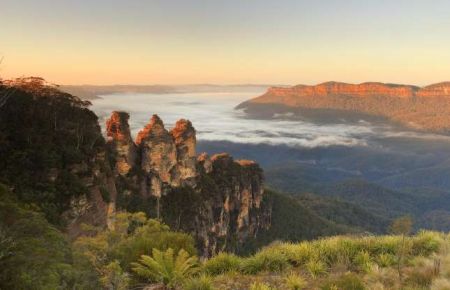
{"points": [[215, 119]]}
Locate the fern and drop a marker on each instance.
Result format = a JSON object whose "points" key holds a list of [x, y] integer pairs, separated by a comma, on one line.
{"points": [[164, 268]]}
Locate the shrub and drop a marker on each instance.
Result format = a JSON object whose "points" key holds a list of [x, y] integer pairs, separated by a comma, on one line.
{"points": [[294, 281], [266, 260], [203, 282], [385, 260], [363, 261], [316, 268], [222, 263], [349, 281], [426, 243], [165, 268], [297, 254]]}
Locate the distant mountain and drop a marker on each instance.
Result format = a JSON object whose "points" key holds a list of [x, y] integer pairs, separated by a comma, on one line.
{"points": [[426, 108]]}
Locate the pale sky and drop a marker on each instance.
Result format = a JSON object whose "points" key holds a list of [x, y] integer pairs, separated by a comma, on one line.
{"points": [[229, 41]]}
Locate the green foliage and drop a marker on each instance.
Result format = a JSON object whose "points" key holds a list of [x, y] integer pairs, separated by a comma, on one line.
{"points": [[114, 277], [316, 268], [292, 221], [363, 261], [349, 281], [163, 267], [294, 281], [35, 255], [385, 260], [48, 144], [133, 236], [222, 263], [266, 260], [203, 282]]}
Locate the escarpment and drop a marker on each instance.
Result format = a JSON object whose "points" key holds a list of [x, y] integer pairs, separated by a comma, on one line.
{"points": [[426, 108], [53, 155], [217, 199]]}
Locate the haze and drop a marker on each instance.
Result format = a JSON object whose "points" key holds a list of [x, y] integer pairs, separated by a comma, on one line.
{"points": [[186, 41]]}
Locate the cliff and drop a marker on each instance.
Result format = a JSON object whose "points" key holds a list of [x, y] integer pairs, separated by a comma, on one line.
{"points": [[217, 199], [424, 108], [53, 155], [55, 159]]}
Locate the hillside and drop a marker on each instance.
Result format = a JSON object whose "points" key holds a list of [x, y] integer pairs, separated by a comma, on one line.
{"points": [[424, 108]]}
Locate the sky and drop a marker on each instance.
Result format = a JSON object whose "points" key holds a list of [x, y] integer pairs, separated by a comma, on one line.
{"points": [[224, 42]]}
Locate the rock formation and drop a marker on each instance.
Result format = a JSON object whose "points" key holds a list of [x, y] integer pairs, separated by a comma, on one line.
{"points": [[185, 142], [53, 150], [426, 108], [215, 198], [119, 136]]}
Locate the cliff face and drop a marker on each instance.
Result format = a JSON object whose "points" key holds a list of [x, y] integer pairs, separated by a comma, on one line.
{"points": [[216, 199], [436, 90], [336, 88], [53, 155], [424, 108]]}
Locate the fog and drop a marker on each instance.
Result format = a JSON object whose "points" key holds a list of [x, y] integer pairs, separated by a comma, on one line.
{"points": [[215, 119]]}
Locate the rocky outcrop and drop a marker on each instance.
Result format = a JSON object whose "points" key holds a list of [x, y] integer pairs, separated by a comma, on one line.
{"points": [[216, 199], [158, 157], [236, 200], [426, 108], [436, 90], [185, 142], [119, 138]]}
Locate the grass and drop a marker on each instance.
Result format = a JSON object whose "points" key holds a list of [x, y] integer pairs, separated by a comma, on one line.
{"points": [[339, 262], [294, 281]]}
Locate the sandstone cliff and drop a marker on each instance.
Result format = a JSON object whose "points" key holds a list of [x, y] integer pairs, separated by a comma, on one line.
{"points": [[426, 108], [215, 198]]}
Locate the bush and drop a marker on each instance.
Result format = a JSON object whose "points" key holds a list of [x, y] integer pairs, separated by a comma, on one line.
{"points": [[348, 281], [297, 254], [202, 282], [363, 261], [316, 268], [294, 281], [385, 260], [266, 260], [222, 263]]}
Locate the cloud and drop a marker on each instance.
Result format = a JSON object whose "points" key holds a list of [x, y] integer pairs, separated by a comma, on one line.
{"points": [[215, 119]]}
